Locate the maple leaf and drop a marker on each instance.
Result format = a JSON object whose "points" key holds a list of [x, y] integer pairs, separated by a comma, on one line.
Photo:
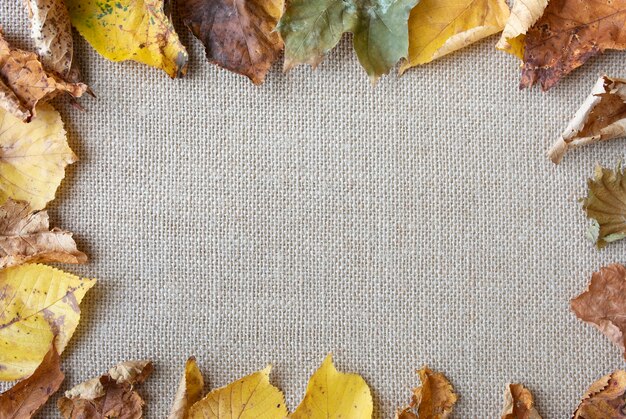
{"points": [[40, 305], [33, 157], [568, 34], [237, 34], [129, 30], [439, 27], [524, 14], [189, 390], [434, 399], [111, 395], [604, 399], [311, 28], [519, 403]]}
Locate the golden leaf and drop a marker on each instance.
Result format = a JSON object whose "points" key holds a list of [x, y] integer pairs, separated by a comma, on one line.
{"points": [[524, 14], [189, 390], [519, 403], [434, 399], [604, 399]]}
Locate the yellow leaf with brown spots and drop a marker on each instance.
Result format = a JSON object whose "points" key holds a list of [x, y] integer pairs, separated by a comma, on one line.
{"points": [[604, 399]]}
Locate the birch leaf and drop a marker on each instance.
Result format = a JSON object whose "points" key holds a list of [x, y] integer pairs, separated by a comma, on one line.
{"points": [[33, 157], [333, 394], [519, 403], [524, 14], [250, 397], [439, 27], [604, 399], [130, 30], [189, 390], [40, 306], [434, 399]]}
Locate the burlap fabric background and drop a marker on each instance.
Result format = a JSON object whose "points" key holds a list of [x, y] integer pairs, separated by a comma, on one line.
{"points": [[415, 222]]}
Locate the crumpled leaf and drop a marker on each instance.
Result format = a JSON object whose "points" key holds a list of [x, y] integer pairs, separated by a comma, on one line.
{"points": [[604, 303], [24, 76], [250, 397], [311, 28], [434, 399], [189, 390], [26, 397], [25, 236], [333, 394], [130, 30], [601, 117], [112, 395], [568, 34], [524, 14], [39, 306], [33, 157], [238, 35], [604, 399], [605, 205], [439, 27], [519, 403]]}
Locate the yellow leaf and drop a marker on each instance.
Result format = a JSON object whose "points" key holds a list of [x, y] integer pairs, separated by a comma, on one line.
{"points": [[333, 394], [524, 14], [37, 303], [33, 157], [251, 397], [439, 27], [189, 390], [130, 30]]}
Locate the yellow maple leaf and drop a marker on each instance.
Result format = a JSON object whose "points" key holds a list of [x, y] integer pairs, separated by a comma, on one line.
{"points": [[38, 305], [333, 394], [439, 27], [189, 390], [33, 157], [135, 30]]}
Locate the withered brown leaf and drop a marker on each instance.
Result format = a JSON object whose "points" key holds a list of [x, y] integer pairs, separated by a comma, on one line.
{"points": [[568, 34], [434, 399], [238, 35], [25, 236], [27, 396], [109, 396], [606, 398], [519, 403]]}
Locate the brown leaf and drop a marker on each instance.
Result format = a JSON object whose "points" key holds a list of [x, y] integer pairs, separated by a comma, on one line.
{"points": [[604, 303], [238, 35], [568, 34], [110, 396], [25, 237], [519, 403], [27, 396], [605, 398], [434, 399]]}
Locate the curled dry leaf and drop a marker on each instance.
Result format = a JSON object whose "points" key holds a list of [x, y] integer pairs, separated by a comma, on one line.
{"points": [[40, 306], [189, 390], [434, 399], [109, 396], [439, 27], [604, 303], [33, 157], [25, 398], [311, 28], [519, 403], [524, 14], [333, 394], [238, 35], [601, 117], [129, 30], [604, 399]]}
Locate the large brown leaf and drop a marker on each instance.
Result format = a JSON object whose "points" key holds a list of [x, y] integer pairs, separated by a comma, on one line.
{"points": [[605, 398]]}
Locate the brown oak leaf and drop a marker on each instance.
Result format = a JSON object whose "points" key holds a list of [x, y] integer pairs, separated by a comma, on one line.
{"points": [[519, 403], [568, 34], [605, 398], [434, 399], [238, 35]]}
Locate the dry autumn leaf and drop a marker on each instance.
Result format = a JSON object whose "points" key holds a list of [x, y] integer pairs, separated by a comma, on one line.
{"points": [[129, 30], [604, 303], [238, 35], [26, 397], [189, 390], [333, 394], [604, 399], [33, 158], [311, 28], [519, 403], [601, 117], [110, 396], [434, 399], [40, 306], [524, 14], [439, 27]]}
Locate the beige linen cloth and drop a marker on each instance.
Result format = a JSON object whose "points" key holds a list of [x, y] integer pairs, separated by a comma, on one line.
{"points": [[414, 222]]}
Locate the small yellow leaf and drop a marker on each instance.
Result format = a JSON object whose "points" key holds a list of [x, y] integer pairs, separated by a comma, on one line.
{"points": [[333, 394], [33, 157], [37, 303], [130, 30], [524, 14], [250, 397], [439, 27], [189, 390]]}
